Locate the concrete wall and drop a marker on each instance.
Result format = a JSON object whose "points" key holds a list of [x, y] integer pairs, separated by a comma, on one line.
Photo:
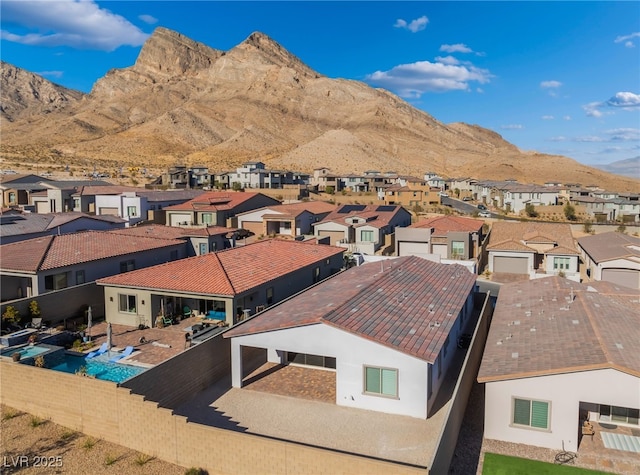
{"points": [[468, 374], [564, 392], [102, 409], [66, 304]]}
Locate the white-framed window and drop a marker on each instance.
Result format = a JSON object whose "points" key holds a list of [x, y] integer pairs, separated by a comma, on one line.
{"points": [[203, 248], [127, 303], [132, 211], [457, 249], [381, 381], [366, 236], [561, 263], [207, 218], [530, 413]]}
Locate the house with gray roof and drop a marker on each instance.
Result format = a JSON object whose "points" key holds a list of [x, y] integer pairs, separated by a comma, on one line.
{"points": [[387, 331], [613, 257], [560, 353]]}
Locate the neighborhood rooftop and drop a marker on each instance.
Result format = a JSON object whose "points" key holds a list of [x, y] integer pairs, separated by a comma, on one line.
{"points": [[608, 246], [553, 325], [407, 303], [227, 272], [512, 236], [445, 224]]}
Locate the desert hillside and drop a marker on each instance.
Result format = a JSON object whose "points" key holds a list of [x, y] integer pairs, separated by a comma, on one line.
{"points": [[185, 101]]}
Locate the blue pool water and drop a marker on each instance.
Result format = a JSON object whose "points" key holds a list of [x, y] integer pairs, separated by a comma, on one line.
{"points": [[98, 367], [27, 351]]}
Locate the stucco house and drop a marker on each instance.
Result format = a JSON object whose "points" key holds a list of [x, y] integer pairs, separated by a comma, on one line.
{"points": [[19, 226], [294, 219], [557, 353], [233, 283], [388, 332], [612, 257], [448, 237], [533, 249], [36, 266], [16, 189], [215, 208], [362, 228]]}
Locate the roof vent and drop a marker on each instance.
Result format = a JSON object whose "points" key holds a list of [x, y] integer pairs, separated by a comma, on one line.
{"points": [[514, 355], [575, 322], [619, 346], [518, 305], [527, 313], [532, 329], [499, 342], [412, 331]]}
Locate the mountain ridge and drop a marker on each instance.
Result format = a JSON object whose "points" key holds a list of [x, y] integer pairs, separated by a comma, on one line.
{"points": [[185, 101]]}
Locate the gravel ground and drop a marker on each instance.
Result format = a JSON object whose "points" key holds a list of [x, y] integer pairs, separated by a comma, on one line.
{"points": [[30, 445]]}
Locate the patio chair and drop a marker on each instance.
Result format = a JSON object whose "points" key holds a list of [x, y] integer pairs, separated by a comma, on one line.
{"points": [[587, 429], [186, 311], [103, 349], [127, 351]]}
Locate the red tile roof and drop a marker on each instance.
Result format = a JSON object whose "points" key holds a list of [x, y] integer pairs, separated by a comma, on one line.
{"points": [[522, 234], [553, 325], [409, 304], [375, 215], [215, 200], [228, 272], [52, 252], [446, 224], [172, 232], [608, 246]]}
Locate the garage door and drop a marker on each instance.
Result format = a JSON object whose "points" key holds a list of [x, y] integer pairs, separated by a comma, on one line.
{"points": [[413, 248], [440, 250], [510, 265], [625, 277], [256, 227], [108, 211], [180, 219], [42, 207], [335, 236]]}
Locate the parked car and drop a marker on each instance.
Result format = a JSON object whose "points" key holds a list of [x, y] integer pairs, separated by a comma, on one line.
{"points": [[482, 207], [484, 214], [443, 194], [466, 198]]}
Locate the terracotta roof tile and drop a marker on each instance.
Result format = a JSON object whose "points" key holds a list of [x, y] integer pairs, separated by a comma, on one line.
{"points": [[608, 246], [445, 224], [408, 303], [554, 325], [230, 271], [214, 200], [530, 232]]}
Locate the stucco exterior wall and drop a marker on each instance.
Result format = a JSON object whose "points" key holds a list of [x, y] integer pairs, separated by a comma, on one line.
{"points": [[564, 392]]}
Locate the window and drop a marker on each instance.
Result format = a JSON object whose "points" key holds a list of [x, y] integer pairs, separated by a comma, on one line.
{"points": [[269, 295], [561, 263], [311, 360], [132, 211], [203, 248], [316, 274], [366, 236], [79, 277], [126, 266], [625, 415], [55, 282], [12, 197], [531, 413], [207, 218], [127, 303], [457, 249], [382, 381]]}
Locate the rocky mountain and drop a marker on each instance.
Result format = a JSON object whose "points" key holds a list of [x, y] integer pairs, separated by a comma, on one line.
{"points": [[183, 100], [629, 167], [25, 94]]}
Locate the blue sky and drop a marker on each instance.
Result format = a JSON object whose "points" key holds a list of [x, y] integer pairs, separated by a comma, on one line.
{"points": [[556, 77]]}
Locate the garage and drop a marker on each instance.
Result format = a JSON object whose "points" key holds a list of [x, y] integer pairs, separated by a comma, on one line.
{"points": [[177, 219], [440, 250], [108, 211], [511, 265], [256, 227], [335, 236], [412, 248], [625, 277]]}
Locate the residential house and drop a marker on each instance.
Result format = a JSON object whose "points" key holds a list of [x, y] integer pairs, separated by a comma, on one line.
{"points": [[612, 257], [623, 210], [255, 175], [322, 178], [362, 228], [215, 208], [533, 249], [36, 266], [57, 196], [434, 180], [415, 193], [559, 353], [444, 237], [232, 284], [19, 226], [294, 219], [594, 208], [514, 197], [388, 332], [355, 183], [182, 176], [16, 189], [199, 240]]}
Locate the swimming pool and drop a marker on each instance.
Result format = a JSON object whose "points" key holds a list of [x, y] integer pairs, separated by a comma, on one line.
{"points": [[98, 367], [27, 351]]}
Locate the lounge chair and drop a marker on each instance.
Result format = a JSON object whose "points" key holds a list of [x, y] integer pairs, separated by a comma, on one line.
{"points": [[127, 351], [103, 349]]}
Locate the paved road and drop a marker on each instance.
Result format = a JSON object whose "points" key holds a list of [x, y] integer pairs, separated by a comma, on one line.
{"points": [[465, 207]]}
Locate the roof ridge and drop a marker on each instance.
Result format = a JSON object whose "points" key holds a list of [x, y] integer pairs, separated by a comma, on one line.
{"points": [[46, 251], [225, 273]]}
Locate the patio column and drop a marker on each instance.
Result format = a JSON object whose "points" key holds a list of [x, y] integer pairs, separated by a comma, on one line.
{"points": [[236, 363]]}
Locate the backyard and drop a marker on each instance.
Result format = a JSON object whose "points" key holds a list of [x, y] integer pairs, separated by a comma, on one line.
{"points": [[495, 464]]}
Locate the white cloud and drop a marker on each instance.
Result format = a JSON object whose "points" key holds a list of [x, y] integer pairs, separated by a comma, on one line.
{"points": [[54, 74], [447, 60], [547, 117], [148, 19], [559, 138], [623, 134], [457, 48], [512, 127], [628, 101], [627, 39], [588, 139], [80, 24], [413, 26], [567, 117], [550, 84], [414, 79]]}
